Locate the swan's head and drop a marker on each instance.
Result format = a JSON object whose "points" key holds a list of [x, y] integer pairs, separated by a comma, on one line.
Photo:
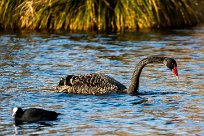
{"points": [[171, 64]]}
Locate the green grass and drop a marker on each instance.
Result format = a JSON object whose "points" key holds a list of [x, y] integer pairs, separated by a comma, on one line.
{"points": [[99, 15]]}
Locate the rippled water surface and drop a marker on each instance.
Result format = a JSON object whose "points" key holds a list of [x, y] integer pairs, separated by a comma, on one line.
{"points": [[32, 63]]}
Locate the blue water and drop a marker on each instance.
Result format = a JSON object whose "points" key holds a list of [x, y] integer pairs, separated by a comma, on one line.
{"points": [[32, 63]]}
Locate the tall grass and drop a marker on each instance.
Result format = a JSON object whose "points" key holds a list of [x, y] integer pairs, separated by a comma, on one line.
{"points": [[8, 19], [116, 15]]}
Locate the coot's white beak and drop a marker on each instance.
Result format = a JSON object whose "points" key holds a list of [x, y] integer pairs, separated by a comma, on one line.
{"points": [[14, 114], [14, 111]]}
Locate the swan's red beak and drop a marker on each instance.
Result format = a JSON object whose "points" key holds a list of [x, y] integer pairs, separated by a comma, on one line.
{"points": [[174, 70]]}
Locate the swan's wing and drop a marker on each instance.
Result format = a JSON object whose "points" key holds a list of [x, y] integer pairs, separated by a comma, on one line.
{"points": [[90, 84]]}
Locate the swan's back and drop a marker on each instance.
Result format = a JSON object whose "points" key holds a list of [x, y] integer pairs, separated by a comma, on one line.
{"points": [[95, 84]]}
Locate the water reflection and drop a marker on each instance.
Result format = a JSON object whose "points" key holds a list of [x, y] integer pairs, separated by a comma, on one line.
{"points": [[21, 128], [32, 63]]}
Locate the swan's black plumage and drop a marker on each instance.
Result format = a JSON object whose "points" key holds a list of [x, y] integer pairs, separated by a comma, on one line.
{"points": [[94, 83], [98, 84]]}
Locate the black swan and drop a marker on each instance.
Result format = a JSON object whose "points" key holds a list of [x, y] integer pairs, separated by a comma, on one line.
{"points": [[33, 115], [98, 84]]}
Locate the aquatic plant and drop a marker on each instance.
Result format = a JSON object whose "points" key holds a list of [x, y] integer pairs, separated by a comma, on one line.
{"points": [[115, 15], [8, 19]]}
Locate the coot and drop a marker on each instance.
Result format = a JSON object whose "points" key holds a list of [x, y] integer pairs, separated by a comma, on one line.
{"points": [[33, 115]]}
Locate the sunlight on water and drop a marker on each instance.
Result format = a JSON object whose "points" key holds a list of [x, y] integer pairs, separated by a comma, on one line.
{"points": [[32, 63]]}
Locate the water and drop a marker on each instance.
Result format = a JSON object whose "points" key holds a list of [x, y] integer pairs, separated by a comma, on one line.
{"points": [[32, 63]]}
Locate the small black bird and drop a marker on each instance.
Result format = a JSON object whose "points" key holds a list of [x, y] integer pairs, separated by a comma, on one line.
{"points": [[33, 115]]}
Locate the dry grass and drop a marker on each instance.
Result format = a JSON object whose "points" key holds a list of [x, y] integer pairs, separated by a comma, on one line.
{"points": [[100, 15]]}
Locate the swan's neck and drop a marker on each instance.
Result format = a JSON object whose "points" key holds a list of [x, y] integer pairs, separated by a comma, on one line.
{"points": [[133, 88]]}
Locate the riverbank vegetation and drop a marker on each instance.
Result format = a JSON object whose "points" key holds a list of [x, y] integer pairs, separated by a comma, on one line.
{"points": [[99, 15]]}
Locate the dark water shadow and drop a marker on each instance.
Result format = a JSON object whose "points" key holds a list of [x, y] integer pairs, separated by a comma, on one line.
{"points": [[23, 127], [159, 93], [134, 99], [114, 94], [141, 101], [42, 123]]}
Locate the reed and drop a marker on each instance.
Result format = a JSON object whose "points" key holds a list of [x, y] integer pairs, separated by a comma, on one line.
{"points": [[7, 9], [99, 15]]}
